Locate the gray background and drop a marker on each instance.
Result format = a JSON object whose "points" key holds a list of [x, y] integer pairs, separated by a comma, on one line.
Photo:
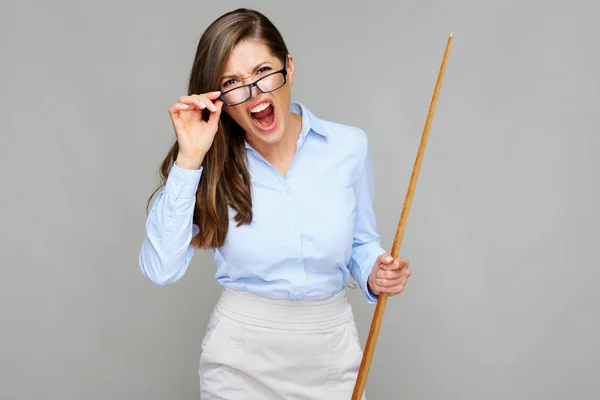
{"points": [[502, 237]]}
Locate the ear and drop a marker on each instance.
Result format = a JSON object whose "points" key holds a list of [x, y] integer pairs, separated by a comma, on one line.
{"points": [[291, 69]]}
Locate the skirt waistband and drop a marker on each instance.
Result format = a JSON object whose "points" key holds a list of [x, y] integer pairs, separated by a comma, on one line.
{"points": [[310, 315]]}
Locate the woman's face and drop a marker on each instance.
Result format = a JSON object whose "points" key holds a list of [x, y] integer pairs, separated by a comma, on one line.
{"points": [[265, 117]]}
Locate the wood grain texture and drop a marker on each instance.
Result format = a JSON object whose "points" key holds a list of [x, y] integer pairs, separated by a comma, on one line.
{"points": [[367, 358]]}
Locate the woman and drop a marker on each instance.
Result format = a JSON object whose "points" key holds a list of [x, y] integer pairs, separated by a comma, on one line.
{"points": [[284, 200]]}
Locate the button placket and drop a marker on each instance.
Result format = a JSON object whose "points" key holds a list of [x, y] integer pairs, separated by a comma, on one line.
{"points": [[292, 220]]}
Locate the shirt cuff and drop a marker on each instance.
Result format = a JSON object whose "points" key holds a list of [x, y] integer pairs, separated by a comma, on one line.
{"points": [[369, 295], [182, 183], [365, 257]]}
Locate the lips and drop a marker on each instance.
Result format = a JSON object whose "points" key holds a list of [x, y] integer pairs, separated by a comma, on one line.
{"points": [[262, 115]]}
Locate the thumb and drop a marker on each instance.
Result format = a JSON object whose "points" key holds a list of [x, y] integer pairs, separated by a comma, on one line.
{"points": [[386, 258]]}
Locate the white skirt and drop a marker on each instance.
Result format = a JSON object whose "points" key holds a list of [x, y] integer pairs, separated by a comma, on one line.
{"points": [[259, 348]]}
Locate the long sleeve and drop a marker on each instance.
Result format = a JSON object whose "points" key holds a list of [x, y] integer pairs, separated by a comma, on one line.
{"points": [[366, 246], [166, 252]]}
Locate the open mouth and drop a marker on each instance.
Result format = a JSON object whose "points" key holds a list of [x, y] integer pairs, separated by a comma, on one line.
{"points": [[263, 116]]}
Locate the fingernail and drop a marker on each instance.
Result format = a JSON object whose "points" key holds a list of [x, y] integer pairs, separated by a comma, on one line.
{"points": [[389, 259], [185, 106], [213, 107], [201, 104]]}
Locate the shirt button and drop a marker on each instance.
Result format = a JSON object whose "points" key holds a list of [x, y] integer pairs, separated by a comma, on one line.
{"points": [[302, 290], [170, 214], [176, 182]]}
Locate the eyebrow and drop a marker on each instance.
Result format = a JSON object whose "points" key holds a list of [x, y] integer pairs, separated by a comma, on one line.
{"points": [[230, 76]]}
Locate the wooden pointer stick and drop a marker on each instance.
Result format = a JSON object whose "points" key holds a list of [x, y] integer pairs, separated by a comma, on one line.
{"points": [[363, 372]]}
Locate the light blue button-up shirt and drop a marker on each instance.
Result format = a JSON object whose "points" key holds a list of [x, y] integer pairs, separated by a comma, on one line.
{"points": [[311, 229]]}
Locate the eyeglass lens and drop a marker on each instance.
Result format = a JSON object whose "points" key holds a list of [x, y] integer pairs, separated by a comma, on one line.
{"points": [[266, 84]]}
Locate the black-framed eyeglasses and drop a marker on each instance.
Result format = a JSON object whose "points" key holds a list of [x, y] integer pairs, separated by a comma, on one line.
{"points": [[266, 84]]}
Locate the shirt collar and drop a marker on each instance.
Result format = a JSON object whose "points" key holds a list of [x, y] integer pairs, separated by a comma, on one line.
{"points": [[309, 120]]}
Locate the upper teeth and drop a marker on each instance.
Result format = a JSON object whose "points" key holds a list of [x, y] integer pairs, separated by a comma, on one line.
{"points": [[259, 107]]}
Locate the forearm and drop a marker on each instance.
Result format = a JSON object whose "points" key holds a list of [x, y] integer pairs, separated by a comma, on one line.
{"points": [[366, 246], [166, 252]]}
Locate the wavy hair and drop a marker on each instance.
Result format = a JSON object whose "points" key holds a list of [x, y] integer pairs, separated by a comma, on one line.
{"points": [[225, 178]]}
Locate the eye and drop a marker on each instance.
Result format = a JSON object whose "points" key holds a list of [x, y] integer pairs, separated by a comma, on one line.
{"points": [[264, 69], [229, 82]]}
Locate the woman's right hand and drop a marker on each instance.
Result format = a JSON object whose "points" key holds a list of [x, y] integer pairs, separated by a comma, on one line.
{"points": [[194, 135]]}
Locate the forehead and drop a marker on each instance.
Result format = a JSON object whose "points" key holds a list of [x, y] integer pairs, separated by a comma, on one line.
{"points": [[245, 56]]}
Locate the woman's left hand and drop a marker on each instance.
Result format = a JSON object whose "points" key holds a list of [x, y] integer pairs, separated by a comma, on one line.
{"points": [[389, 275]]}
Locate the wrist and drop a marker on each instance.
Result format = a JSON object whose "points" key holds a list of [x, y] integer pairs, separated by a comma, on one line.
{"points": [[371, 285], [189, 163]]}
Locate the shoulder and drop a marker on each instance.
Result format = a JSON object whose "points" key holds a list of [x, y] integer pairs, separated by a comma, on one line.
{"points": [[350, 138], [346, 146], [344, 140], [343, 131], [343, 136]]}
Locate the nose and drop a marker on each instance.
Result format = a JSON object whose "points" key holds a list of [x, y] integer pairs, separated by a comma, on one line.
{"points": [[254, 91]]}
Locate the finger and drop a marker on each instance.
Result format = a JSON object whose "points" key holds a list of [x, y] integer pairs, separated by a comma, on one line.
{"points": [[208, 104], [393, 290], [389, 283], [201, 101], [395, 274], [398, 263], [178, 107], [395, 264], [392, 274], [192, 101], [207, 100], [213, 95], [214, 116], [385, 258]]}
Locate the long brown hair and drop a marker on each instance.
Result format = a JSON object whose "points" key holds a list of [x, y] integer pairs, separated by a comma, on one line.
{"points": [[225, 179]]}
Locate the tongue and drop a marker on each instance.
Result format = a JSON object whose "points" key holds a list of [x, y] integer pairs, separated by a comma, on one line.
{"points": [[264, 113]]}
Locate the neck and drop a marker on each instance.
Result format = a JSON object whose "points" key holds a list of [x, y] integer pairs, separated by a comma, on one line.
{"points": [[285, 149], [280, 154]]}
